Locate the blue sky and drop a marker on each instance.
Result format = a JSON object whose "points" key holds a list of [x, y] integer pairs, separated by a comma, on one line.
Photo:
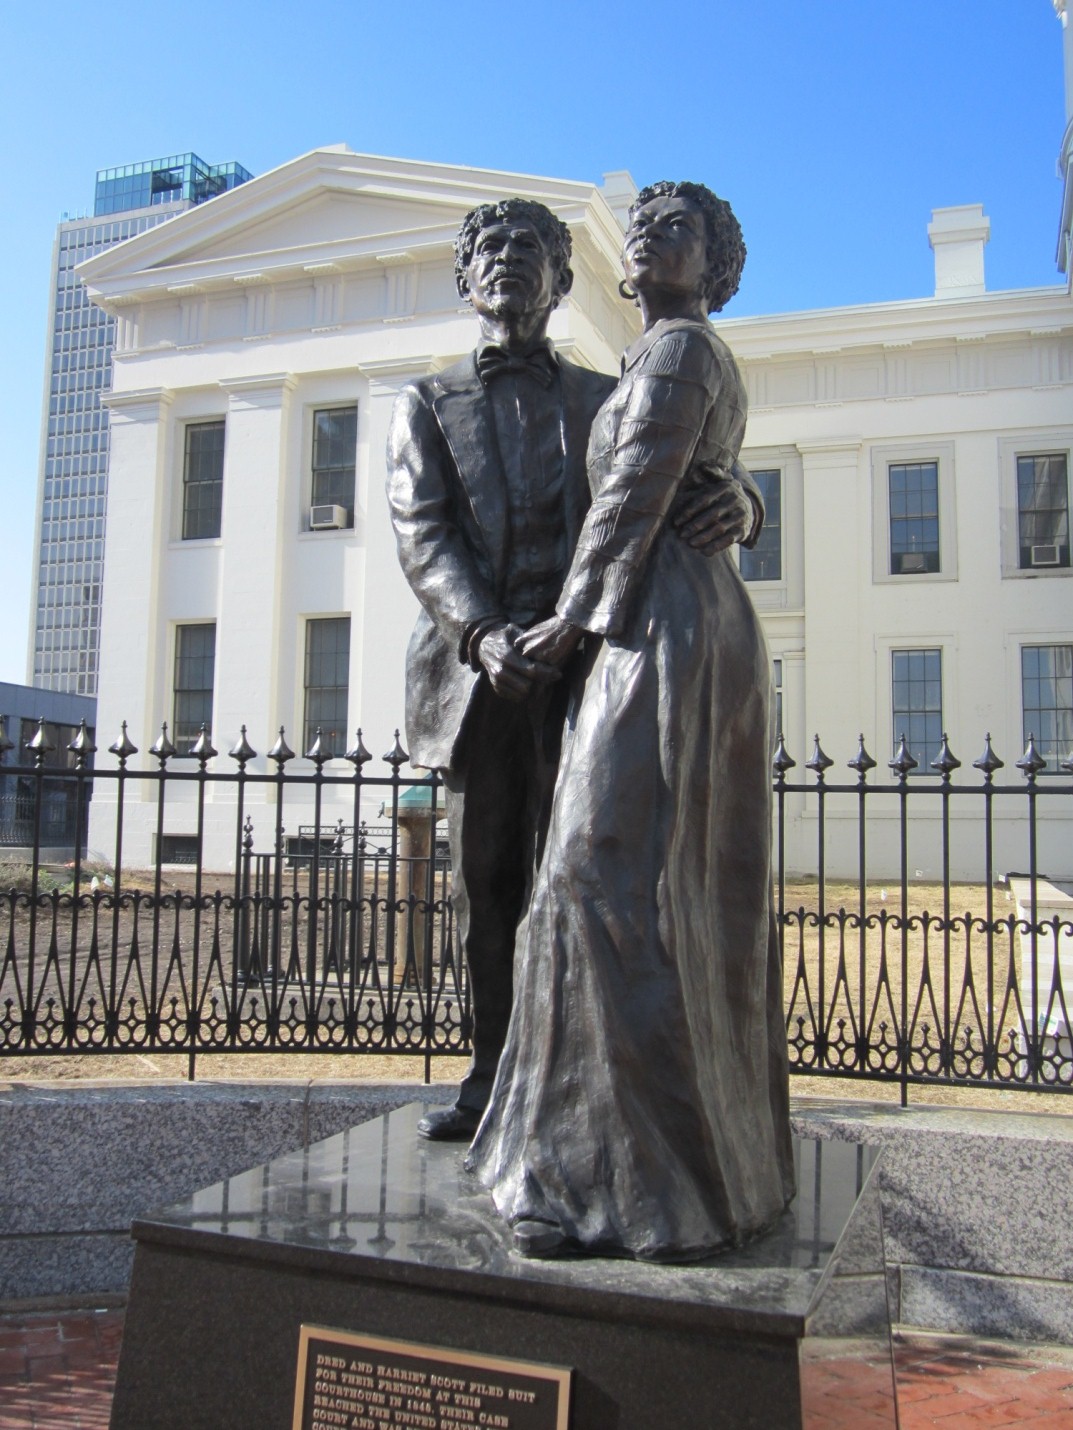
{"points": [[833, 126]]}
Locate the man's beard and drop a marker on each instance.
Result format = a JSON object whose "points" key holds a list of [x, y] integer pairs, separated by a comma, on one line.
{"points": [[507, 305]]}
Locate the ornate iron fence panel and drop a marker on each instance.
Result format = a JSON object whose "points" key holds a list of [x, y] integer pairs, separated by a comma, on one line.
{"points": [[328, 943], [880, 988], [340, 938]]}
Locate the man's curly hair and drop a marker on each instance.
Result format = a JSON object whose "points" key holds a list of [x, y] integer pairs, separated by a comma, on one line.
{"points": [[725, 245], [552, 231]]}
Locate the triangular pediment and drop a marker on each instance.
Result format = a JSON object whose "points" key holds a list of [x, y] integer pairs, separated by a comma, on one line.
{"points": [[331, 207], [325, 218]]}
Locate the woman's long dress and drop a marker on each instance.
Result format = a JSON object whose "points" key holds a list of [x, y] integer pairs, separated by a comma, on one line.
{"points": [[641, 1101]]}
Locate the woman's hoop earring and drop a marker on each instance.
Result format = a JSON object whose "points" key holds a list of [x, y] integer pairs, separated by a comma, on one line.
{"points": [[627, 292]]}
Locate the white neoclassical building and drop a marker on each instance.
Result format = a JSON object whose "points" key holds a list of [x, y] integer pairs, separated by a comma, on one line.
{"points": [[914, 576], [251, 572]]}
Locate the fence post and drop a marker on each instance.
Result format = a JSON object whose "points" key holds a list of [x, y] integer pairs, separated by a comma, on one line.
{"points": [[902, 763], [163, 749], [862, 762], [396, 757], [819, 763], [319, 752], [359, 757], [123, 749], [946, 762], [242, 752], [1031, 762], [989, 762], [82, 747]]}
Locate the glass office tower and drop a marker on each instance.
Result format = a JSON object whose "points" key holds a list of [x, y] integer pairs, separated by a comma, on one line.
{"points": [[73, 480]]}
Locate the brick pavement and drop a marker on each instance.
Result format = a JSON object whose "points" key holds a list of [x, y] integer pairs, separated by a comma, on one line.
{"points": [[57, 1371]]}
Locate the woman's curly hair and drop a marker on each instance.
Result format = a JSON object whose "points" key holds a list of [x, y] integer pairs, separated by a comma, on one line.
{"points": [[725, 246]]}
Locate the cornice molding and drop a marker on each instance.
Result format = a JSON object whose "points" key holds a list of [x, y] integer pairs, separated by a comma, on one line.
{"points": [[263, 390], [139, 404], [990, 316], [845, 448], [393, 372]]}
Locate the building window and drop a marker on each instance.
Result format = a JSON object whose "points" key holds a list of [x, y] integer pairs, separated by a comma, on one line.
{"points": [[203, 480], [178, 849], [917, 702], [1047, 700], [327, 682], [335, 447], [1043, 511], [914, 517], [764, 561], [195, 660]]}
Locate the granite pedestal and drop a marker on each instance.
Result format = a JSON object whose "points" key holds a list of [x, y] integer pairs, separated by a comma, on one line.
{"points": [[376, 1232]]}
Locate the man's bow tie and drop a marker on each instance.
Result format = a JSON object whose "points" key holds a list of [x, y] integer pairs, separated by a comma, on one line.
{"points": [[493, 362]]}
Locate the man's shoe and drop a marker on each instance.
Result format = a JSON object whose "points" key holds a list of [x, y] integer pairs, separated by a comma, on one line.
{"points": [[450, 1124]]}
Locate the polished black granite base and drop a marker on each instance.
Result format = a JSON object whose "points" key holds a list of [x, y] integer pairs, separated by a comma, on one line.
{"points": [[377, 1232]]}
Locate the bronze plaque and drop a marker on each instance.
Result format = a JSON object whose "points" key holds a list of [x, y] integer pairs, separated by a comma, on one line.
{"points": [[351, 1382]]}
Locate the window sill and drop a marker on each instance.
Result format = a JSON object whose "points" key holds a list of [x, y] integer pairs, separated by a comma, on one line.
{"points": [[1032, 573], [909, 578]]}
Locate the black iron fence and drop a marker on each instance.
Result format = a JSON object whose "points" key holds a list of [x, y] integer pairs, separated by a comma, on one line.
{"points": [[327, 934]]}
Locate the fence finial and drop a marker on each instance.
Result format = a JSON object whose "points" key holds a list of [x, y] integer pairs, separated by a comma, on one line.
{"points": [[989, 762], [82, 746], [162, 746], [203, 748], [124, 747], [281, 752], [41, 745], [358, 755], [396, 756], [946, 762], [862, 761], [320, 750], [242, 750], [818, 761], [903, 761], [782, 759], [1031, 761]]}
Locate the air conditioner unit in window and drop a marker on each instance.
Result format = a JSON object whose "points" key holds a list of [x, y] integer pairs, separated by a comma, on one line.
{"points": [[912, 561], [327, 518], [1045, 555]]}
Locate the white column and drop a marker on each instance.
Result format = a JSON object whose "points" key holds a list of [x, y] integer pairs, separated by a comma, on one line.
{"points": [[252, 573], [136, 534], [836, 519], [131, 622], [389, 606]]}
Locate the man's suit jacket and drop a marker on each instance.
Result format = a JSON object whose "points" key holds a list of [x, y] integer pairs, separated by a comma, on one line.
{"points": [[448, 498]]}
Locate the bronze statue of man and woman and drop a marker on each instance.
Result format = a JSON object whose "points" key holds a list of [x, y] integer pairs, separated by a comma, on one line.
{"points": [[590, 678]]}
